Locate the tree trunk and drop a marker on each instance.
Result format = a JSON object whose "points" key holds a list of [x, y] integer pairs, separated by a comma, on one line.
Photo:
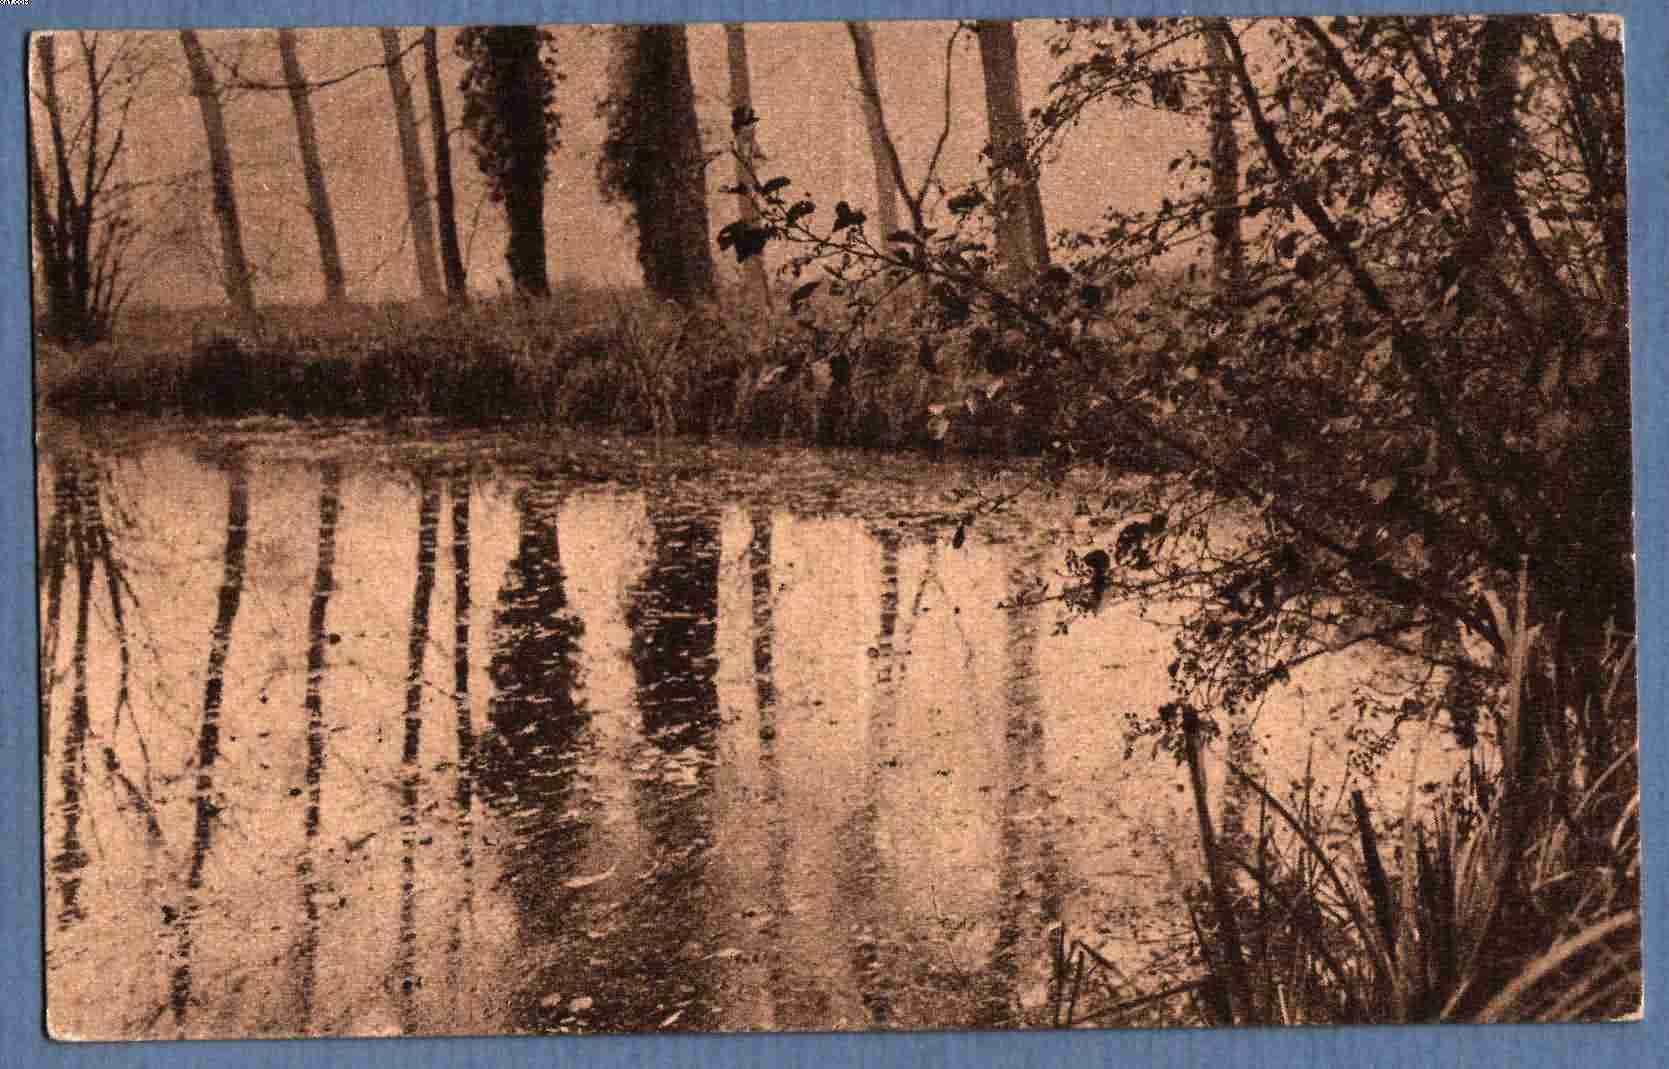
{"points": [[1228, 261], [62, 307], [881, 148], [70, 315], [446, 212], [509, 108], [318, 196], [1022, 242], [654, 159], [411, 163], [240, 289], [747, 147]]}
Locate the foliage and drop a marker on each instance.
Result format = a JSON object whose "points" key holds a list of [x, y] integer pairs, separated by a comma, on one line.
{"points": [[509, 92], [652, 158], [1484, 919], [1420, 391]]}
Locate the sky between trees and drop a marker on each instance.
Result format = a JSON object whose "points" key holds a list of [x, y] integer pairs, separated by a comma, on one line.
{"points": [[805, 92]]}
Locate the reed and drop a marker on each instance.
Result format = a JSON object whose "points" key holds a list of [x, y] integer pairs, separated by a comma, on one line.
{"points": [[1518, 902]]}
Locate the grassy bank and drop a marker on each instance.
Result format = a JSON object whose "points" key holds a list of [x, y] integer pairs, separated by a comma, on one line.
{"points": [[585, 357]]}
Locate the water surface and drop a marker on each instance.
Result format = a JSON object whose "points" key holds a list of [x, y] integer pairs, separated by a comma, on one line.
{"points": [[352, 732]]}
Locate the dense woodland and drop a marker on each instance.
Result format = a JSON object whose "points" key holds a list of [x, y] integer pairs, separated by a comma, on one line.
{"points": [[1377, 326]]}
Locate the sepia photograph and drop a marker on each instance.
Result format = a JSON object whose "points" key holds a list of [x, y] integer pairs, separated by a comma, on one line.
{"points": [[1069, 523]]}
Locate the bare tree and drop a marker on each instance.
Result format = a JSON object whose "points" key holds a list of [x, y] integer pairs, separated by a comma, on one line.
{"points": [[882, 145], [654, 160], [318, 194], [747, 145], [888, 180], [81, 226], [235, 275], [446, 212], [411, 163], [1022, 242]]}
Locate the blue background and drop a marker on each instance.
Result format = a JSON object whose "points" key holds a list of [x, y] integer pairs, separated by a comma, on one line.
{"points": [[22, 1039]]}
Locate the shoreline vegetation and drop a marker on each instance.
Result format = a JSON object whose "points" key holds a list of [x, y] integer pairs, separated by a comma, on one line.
{"points": [[586, 357]]}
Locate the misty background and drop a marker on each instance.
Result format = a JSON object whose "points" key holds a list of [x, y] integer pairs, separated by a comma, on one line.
{"points": [[805, 91]]}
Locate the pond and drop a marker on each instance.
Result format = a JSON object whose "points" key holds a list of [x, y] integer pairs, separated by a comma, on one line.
{"points": [[352, 731]]}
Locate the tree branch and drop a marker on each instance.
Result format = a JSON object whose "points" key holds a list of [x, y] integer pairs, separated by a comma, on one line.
{"points": [[1410, 345]]}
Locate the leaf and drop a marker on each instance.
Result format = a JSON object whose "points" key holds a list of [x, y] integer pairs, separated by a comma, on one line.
{"points": [[799, 211], [779, 182], [802, 292], [744, 238], [905, 237], [846, 216]]}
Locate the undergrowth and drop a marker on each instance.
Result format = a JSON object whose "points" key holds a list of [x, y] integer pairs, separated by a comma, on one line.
{"points": [[591, 358]]}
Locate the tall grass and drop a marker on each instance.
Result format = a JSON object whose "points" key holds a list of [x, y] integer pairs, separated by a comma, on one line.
{"points": [[1513, 896], [1517, 901]]}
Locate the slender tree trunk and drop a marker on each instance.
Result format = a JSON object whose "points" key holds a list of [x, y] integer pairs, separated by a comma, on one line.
{"points": [[318, 195], [61, 305], [1228, 261], [81, 232], [451, 258], [1022, 241], [881, 148], [411, 161], [747, 147], [655, 157], [69, 312], [240, 289]]}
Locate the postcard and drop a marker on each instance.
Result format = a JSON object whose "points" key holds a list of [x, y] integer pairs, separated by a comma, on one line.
{"points": [[1042, 524]]}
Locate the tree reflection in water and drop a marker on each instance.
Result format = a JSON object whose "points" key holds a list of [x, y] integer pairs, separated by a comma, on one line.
{"points": [[526, 765]]}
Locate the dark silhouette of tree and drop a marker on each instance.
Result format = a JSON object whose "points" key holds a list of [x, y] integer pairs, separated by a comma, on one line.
{"points": [[653, 160], [446, 210], [312, 169], [411, 164], [1022, 241], [235, 274], [510, 111], [747, 145], [881, 150], [1229, 246], [82, 226]]}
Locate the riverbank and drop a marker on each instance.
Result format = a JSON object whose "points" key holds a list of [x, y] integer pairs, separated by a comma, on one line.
{"points": [[585, 358]]}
